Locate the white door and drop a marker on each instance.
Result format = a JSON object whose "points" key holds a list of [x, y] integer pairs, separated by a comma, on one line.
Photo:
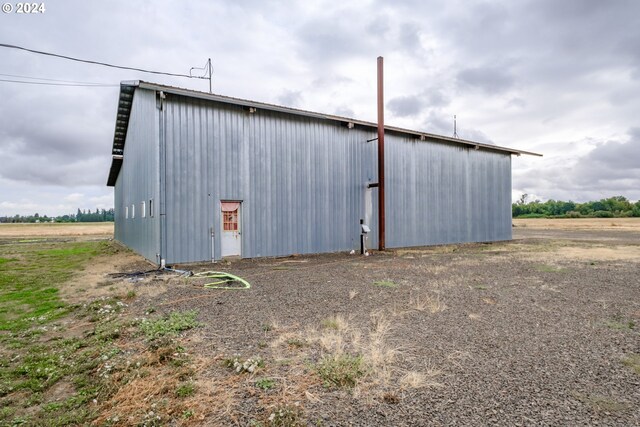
{"points": [[231, 240], [368, 206]]}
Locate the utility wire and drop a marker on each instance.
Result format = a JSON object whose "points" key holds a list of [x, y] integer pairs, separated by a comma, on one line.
{"points": [[58, 84], [39, 52], [51, 80]]}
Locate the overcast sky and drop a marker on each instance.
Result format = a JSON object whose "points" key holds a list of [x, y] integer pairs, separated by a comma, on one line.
{"points": [[557, 77]]}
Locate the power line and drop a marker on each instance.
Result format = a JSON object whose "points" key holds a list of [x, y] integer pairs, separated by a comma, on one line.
{"points": [[59, 84], [51, 80], [39, 52]]}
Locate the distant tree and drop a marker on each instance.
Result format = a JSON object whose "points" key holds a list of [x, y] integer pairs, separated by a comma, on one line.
{"points": [[616, 206]]}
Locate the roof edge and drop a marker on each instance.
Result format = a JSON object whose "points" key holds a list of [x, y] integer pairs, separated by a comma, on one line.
{"points": [[272, 107], [127, 91], [125, 100]]}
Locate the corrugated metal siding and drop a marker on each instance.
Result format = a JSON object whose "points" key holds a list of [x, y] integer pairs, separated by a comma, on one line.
{"points": [[138, 179], [301, 181], [440, 193]]}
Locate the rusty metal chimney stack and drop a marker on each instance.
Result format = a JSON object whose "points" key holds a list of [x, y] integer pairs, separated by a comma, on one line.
{"points": [[381, 216]]}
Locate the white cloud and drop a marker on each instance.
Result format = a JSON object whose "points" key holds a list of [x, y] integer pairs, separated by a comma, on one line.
{"points": [[552, 76]]}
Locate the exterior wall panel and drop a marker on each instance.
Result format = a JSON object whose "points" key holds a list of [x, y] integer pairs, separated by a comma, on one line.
{"points": [[301, 181], [138, 179], [440, 193]]}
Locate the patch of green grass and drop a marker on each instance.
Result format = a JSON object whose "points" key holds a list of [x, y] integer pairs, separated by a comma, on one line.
{"points": [[186, 390], [633, 362], [29, 282], [30, 276], [620, 324], [172, 324], [265, 383], [341, 370], [386, 283]]}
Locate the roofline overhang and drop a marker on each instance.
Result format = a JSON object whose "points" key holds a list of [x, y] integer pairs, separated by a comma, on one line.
{"points": [[127, 89]]}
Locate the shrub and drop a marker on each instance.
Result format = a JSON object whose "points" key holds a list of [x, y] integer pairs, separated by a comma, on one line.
{"points": [[603, 214], [341, 371], [573, 214], [172, 324], [265, 383]]}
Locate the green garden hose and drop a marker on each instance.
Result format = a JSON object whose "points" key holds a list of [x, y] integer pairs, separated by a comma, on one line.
{"points": [[223, 279]]}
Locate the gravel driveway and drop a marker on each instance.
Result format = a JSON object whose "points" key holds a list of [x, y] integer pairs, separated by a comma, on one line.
{"points": [[536, 331]]}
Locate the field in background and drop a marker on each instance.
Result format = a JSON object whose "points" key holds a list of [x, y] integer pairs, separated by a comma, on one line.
{"points": [[105, 229], [539, 330], [96, 229], [579, 223]]}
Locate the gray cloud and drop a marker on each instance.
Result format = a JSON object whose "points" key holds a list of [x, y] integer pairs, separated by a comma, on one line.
{"points": [[412, 105], [290, 98], [611, 168], [379, 26], [403, 106], [490, 79], [344, 111], [616, 158], [438, 124], [505, 65], [517, 103]]}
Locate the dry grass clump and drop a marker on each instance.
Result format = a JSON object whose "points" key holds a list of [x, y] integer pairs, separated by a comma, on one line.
{"points": [[432, 304], [416, 380], [337, 322], [158, 389], [633, 362], [363, 360], [378, 352]]}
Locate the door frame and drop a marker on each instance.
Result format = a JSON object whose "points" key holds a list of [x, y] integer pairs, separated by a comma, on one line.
{"points": [[221, 225]]}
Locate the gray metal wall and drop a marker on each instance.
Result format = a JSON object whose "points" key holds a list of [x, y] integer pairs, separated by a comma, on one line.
{"points": [[138, 179], [445, 193], [302, 182]]}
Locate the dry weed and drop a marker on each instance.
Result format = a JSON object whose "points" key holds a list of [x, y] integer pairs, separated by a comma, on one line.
{"points": [[150, 398], [434, 304], [417, 303], [337, 322], [416, 380], [457, 357], [474, 316], [378, 353]]}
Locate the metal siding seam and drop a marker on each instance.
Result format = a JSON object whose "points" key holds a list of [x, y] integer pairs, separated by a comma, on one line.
{"points": [[302, 183]]}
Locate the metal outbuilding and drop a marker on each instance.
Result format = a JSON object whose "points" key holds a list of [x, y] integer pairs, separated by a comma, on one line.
{"points": [[199, 176]]}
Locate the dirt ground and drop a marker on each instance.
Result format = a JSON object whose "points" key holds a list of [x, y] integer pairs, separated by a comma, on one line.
{"points": [[44, 230], [536, 331], [579, 223]]}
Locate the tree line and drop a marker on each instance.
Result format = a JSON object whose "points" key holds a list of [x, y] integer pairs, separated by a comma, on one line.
{"points": [[100, 215], [613, 207]]}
